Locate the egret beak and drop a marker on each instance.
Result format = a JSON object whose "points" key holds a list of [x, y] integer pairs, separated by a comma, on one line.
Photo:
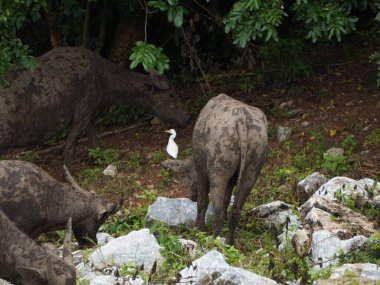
{"points": [[167, 131]]}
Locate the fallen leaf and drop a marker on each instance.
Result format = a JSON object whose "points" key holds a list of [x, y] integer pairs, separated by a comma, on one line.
{"points": [[332, 133]]}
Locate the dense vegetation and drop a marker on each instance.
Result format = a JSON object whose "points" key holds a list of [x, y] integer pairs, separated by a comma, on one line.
{"points": [[268, 37]]}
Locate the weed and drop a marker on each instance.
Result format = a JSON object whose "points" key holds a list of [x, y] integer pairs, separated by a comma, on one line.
{"points": [[247, 85], [335, 165], [158, 156], [103, 157], [349, 144], [134, 160], [373, 137], [27, 156], [90, 175]]}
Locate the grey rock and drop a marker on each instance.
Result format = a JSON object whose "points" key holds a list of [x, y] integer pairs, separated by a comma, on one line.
{"points": [[325, 247], [288, 231], [111, 170], [364, 270], [275, 213], [334, 152], [283, 133], [86, 272], [342, 186], [4, 282], [213, 269], [320, 212], [301, 241], [138, 247], [174, 211], [307, 186], [103, 238]]}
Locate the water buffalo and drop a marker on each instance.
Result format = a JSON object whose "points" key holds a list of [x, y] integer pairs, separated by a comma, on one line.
{"points": [[36, 202], [68, 88], [229, 148], [24, 262]]}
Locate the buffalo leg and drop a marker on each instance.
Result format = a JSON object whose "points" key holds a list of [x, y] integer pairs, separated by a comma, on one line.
{"points": [[202, 203]]}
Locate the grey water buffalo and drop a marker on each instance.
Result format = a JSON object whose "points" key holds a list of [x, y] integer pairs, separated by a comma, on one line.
{"points": [[69, 88], [23, 262], [229, 148], [36, 202]]}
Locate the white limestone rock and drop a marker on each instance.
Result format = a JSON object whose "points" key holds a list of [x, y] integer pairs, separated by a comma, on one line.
{"points": [[111, 280], [103, 238], [342, 186], [111, 170], [320, 212], [213, 269], [138, 247], [310, 184], [274, 213], [364, 270], [174, 211], [4, 282], [283, 133], [325, 247]]}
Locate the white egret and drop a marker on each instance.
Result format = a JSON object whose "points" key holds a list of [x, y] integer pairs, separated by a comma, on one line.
{"points": [[172, 147]]}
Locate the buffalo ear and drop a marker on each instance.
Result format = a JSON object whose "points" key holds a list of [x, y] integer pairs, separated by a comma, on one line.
{"points": [[31, 275], [102, 214], [115, 207], [159, 81]]}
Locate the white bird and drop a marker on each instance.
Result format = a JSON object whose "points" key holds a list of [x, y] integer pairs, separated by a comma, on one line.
{"points": [[172, 147]]}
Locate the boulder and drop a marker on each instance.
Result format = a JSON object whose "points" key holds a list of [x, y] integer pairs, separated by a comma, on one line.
{"points": [[283, 133], [137, 248], [213, 269], [174, 211], [310, 184], [103, 238], [301, 241], [4, 282], [334, 152], [335, 217], [275, 213], [359, 273], [337, 188], [325, 247]]}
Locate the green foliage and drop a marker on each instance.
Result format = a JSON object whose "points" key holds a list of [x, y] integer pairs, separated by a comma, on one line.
{"points": [[373, 137], [334, 164], [128, 222], [103, 157], [375, 57], [370, 253], [134, 160], [349, 144], [150, 56], [175, 11], [90, 175], [251, 20], [325, 19], [158, 156], [14, 15]]}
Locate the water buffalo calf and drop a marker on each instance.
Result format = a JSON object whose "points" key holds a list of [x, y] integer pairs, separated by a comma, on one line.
{"points": [[24, 262], [229, 148], [68, 88], [36, 202]]}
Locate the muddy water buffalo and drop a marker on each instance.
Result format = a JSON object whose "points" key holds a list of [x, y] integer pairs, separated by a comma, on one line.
{"points": [[24, 262], [229, 148], [68, 88], [36, 202]]}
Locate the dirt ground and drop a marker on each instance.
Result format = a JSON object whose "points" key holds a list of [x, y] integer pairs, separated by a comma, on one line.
{"points": [[339, 100]]}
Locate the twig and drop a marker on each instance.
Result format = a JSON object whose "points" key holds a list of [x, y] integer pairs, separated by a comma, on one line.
{"points": [[196, 59]]}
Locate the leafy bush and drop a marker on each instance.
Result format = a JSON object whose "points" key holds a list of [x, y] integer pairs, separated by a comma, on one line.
{"points": [[335, 164], [103, 157], [150, 56]]}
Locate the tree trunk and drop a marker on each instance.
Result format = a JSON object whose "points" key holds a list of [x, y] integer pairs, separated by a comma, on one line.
{"points": [[56, 37], [86, 26], [103, 27]]}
